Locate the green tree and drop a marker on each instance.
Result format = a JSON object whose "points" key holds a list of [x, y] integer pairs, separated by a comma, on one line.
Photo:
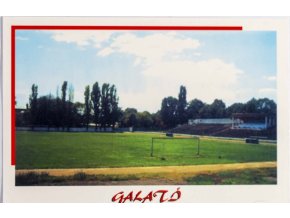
{"points": [[235, 108], [43, 104], [145, 119], [131, 110], [87, 109], [63, 105], [169, 111], [129, 118], [218, 109], [79, 109], [105, 105], [205, 111], [58, 107], [113, 105], [193, 109], [70, 107], [33, 104], [251, 106], [51, 110], [132, 120], [96, 100], [181, 107], [267, 106], [157, 120]]}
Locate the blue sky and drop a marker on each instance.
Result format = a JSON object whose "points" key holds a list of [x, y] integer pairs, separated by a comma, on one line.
{"points": [[147, 66]]}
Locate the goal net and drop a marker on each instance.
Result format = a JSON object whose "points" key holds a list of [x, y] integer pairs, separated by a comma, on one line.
{"points": [[170, 147]]}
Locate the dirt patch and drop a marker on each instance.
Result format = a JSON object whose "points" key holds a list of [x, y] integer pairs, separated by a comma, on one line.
{"points": [[173, 172], [144, 181]]}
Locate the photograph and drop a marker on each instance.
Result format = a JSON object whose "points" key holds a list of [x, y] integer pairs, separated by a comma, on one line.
{"points": [[141, 106]]}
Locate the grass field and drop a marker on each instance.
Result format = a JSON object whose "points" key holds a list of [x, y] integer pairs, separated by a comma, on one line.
{"points": [[38, 150], [250, 176]]}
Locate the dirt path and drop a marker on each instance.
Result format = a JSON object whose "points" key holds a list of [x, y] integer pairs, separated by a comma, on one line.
{"points": [[169, 171]]}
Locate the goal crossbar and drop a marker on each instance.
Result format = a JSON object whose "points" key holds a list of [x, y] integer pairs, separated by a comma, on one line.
{"points": [[175, 138]]}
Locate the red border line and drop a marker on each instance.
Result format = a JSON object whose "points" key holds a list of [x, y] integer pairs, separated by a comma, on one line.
{"points": [[48, 27], [13, 123], [215, 28]]}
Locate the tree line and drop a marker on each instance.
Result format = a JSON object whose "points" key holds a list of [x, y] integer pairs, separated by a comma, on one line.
{"points": [[176, 111], [100, 108]]}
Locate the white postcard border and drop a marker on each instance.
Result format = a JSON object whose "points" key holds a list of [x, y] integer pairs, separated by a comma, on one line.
{"points": [[213, 193]]}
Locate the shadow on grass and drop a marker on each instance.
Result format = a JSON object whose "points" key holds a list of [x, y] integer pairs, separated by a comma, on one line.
{"points": [[44, 179]]}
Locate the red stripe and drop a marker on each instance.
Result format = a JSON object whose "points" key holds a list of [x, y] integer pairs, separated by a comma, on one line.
{"points": [[14, 28], [13, 96], [128, 27]]}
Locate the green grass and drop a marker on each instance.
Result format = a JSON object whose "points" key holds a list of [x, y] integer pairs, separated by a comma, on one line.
{"points": [[245, 177], [36, 150]]}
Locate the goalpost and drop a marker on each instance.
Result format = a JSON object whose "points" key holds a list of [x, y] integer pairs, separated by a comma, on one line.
{"points": [[194, 140]]}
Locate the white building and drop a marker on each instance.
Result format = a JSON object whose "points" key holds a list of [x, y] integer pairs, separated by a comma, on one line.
{"points": [[223, 121]]}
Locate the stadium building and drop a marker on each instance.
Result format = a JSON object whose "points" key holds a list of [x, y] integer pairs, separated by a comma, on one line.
{"points": [[251, 121]]}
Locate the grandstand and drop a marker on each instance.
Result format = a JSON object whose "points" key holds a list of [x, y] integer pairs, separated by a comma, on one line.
{"points": [[253, 121], [220, 130], [240, 125]]}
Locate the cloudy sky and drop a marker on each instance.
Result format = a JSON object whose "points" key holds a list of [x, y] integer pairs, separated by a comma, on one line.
{"points": [[147, 66]]}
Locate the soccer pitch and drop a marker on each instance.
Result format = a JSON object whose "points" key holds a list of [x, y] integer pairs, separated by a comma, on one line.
{"points": [[53, 150]]}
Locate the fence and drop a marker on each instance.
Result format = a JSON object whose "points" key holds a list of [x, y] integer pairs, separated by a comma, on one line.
{"points": [[73, 129]]}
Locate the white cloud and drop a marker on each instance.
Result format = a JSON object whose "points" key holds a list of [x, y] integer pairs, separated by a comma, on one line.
{"points": [[21, 38], [270, 78], [151, 48], [82, 37], [165, 65], [267, 91], [105, 52], [166, 68], [206, 80]]}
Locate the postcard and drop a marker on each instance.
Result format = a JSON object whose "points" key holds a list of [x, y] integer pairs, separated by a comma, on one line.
{"points": [[145, 110]]}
